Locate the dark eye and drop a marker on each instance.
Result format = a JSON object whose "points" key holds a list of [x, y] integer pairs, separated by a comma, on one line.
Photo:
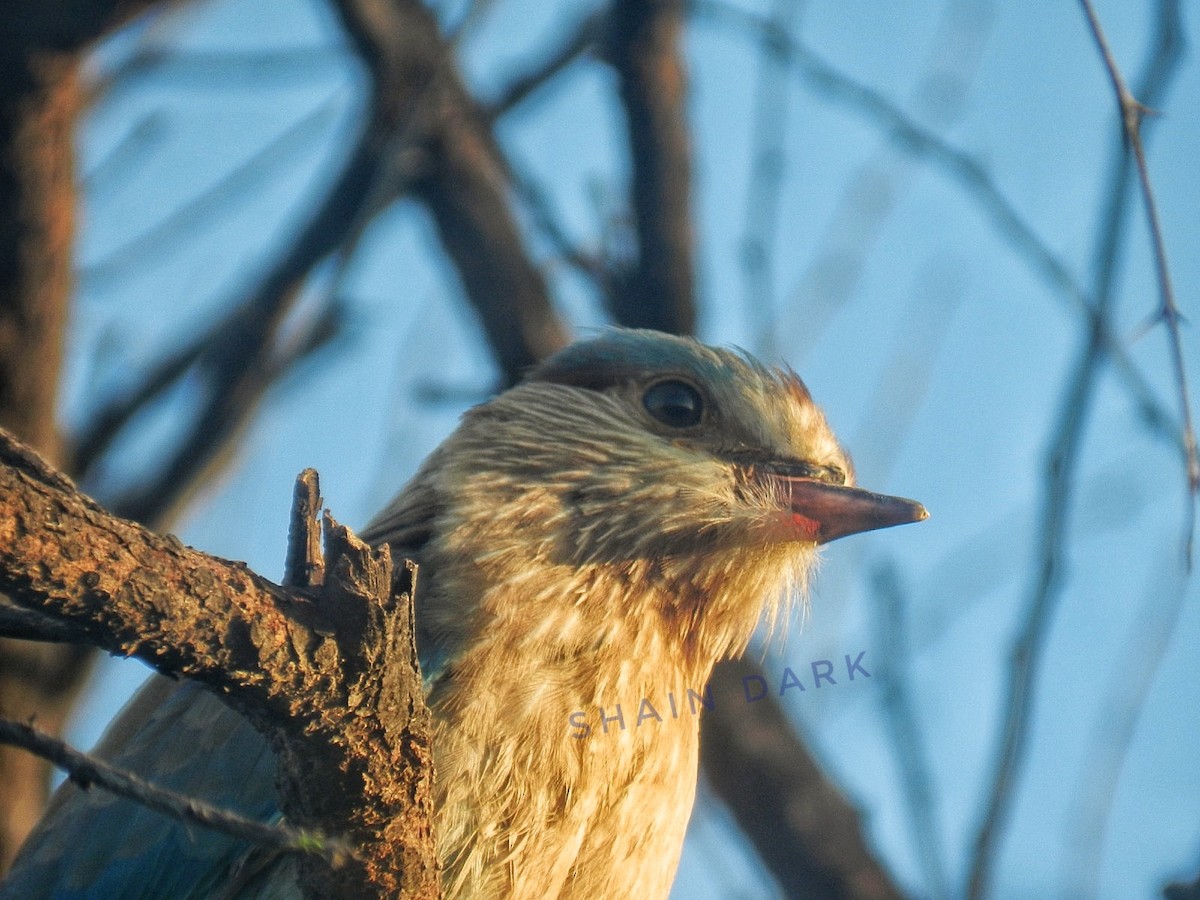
{"points": [[674, 403]]}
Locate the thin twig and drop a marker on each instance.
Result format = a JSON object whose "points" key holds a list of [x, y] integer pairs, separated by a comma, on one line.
{"points": [[106, 424], [1061, 464], [236, 185], [910, 136], [902, 387], [444, 150], [236, 366], [220, 70], [30, 625], [1132, 113], [126, 157], [970, 174], [541, 210], [903, 723], [87, 771], [580, 42]]}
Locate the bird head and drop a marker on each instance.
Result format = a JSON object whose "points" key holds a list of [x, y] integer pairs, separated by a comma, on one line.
{"points": [[700, 479]]}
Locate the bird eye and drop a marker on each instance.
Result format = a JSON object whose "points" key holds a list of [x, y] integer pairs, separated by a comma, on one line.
{"points": [[674, 403]]}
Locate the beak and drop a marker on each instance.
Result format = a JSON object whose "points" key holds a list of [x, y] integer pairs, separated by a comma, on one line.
{"points": [[825, 512]]}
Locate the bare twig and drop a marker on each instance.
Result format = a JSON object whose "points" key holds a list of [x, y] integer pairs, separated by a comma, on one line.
{"points": [[460, 176], [88, 771], [1061, 463], [97, 435], [970, 174], [590, 265], [903, 383], [903, 724], [910, 136], [424, 133], [217, 70], [206, 207], [876, 187], [28, 625], [126, 156], [581, 41], [1132, 113]]}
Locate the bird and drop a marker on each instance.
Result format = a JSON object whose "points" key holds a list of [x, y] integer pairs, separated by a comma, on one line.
{"points": [[603, 532]]}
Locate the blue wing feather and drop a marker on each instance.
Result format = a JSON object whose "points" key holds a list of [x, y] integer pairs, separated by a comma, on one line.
{"points": [[92, 844]]}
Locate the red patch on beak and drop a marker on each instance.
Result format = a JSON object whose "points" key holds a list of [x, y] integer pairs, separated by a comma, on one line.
{"points": [[810, 528]]}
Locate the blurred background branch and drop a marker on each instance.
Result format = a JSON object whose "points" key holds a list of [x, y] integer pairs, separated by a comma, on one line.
{"points": [[1061, 474]]}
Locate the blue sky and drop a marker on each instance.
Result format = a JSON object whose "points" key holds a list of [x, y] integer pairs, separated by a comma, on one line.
{"points": [[938, 351]]}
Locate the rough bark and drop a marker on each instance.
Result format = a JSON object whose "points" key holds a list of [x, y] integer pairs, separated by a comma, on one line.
{"points": [[328, 673]]}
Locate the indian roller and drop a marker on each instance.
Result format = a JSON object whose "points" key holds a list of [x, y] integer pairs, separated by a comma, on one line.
{"points": [[603, 532]]}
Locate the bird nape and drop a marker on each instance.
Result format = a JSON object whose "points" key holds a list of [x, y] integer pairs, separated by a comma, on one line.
{"points": [[604, 532]]}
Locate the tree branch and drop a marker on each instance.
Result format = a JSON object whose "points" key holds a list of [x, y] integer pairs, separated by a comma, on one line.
{"points": [[800, 824], [182, 223], [39, 102], [1131, 114], [423, 132], [88, 771], [1121, 704], [28, 625], [1062, 459], [644, 49], [328, 676], [763, 194], [583, 38], [424, 112], [965, 170]]}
